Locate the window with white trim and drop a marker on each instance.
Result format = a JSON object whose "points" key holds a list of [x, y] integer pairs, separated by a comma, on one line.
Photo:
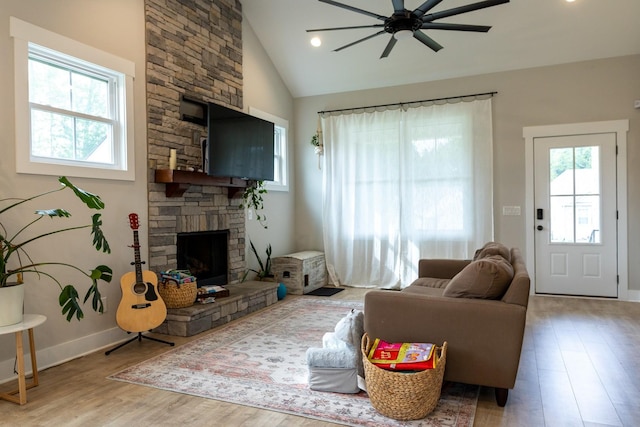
{"points": [[74, 112], [280, 150]]}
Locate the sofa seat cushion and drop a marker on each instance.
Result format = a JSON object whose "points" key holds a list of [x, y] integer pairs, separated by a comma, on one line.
{"points": [[431, 282], [492, 249], [486, 278], [423, 290]]}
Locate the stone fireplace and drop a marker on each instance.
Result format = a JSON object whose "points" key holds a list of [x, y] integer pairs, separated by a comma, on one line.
{"points": [[194, 49]]}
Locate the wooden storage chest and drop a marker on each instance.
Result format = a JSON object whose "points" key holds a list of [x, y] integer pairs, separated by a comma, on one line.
{"points": [[301, 272]]}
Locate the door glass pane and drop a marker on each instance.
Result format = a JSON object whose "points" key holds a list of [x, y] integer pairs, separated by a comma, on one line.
{"points": [[587, 170], [561, 219], [574, 190], [588, 219], [561, 171]]}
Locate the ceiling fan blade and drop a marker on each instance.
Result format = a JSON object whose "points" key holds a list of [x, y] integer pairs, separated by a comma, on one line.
{"points": [[398, 6], [425, 7], [345, 28], [354, 9], [426, 40], [390, 45], [359, 41], [462, 9], [455, 27]]}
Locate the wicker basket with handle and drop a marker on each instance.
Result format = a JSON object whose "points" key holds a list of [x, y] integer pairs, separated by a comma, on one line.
{"points": [[177, 295], [403, 395]]}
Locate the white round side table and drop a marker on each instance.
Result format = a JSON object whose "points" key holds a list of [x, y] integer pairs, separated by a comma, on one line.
{"points": [[29, 322]]}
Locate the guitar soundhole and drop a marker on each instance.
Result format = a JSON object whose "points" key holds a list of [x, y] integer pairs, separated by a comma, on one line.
{"points": [[139, 288]]}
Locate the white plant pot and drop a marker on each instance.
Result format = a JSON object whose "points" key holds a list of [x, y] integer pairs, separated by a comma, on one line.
{"points": [[11, 304]]}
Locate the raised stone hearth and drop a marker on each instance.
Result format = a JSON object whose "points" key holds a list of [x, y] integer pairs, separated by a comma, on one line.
{"points": [[244, 298]]}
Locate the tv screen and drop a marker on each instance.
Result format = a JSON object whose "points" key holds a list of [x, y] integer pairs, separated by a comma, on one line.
{"points": [[239, 145]]}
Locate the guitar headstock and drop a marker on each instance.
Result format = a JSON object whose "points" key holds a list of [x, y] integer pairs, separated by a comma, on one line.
{"points": [[133, 221]]}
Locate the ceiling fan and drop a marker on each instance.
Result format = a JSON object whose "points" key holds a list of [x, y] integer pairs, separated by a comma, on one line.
{"points": [[404, 23]]}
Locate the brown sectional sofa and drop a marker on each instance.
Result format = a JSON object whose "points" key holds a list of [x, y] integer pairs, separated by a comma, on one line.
{"points": [[484, 336]]}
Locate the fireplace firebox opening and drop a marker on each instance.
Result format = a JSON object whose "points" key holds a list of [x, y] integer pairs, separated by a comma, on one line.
{"points": [[205, 255]]}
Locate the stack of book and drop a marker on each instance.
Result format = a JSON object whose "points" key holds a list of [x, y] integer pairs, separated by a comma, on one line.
{"points": [[178, 276], [402, 356], [208, 293]]}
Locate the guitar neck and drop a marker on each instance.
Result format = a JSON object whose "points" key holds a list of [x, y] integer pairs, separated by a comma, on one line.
{"points": [[137, 260]]}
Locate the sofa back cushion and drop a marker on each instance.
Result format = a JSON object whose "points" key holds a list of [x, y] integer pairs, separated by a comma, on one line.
{"points": [[486, 278], [491, 249]]}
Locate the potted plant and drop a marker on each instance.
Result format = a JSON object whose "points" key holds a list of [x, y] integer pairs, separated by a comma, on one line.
{"points": [[317, 143], [264, 273], [15, 261], [252, 199]]}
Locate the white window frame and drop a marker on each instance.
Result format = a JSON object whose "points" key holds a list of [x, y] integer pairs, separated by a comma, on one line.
{"points": [[24, 35], [283, 184]]}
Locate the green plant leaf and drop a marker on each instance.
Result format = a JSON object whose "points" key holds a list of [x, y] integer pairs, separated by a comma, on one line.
{"points": [[102, 272], [92, 201], [69, 302], [255, 252], [96, 301], [99, 241], [52, 213]]}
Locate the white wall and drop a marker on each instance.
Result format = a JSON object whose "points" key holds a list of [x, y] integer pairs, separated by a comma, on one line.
{"points": [[571, 93], [90, 23], [264, 89]]}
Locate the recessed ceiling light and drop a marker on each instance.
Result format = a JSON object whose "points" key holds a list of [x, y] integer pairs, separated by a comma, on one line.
{"points": [[570, 1], [316, 42]]}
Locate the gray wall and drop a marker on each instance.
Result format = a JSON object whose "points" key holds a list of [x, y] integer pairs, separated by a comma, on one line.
{"points": [[571, 93]]}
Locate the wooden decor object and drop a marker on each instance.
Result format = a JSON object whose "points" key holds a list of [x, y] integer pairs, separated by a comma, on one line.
{"points": [[301, 272]]}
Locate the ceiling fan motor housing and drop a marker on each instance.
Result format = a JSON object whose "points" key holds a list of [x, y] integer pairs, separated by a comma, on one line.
{"points": [[406, 21]]}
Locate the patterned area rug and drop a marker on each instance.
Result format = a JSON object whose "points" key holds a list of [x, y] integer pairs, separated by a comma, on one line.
{"points": [[260, 361]]}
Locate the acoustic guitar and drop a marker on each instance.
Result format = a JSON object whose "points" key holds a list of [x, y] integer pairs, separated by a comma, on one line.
{"points": [[141, 308]]}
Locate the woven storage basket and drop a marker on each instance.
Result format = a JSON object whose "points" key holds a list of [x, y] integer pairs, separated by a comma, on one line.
{"points": [[177, 295], [403, 395]]}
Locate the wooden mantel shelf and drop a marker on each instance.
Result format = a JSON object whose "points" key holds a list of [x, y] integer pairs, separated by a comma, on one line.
{"points": [[178, 181]]}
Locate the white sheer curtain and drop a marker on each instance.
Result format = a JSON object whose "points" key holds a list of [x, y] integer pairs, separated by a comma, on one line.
{"points": [[404, 185]]}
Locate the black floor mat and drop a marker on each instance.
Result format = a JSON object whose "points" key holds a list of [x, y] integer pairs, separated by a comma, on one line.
{"points": [[325, 292]]}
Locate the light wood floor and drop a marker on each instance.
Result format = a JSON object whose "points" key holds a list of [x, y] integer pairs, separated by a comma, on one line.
{"points": [[579, 367]]}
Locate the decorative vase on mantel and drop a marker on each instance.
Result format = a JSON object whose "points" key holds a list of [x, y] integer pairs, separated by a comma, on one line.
{"points": [[11, 304]]}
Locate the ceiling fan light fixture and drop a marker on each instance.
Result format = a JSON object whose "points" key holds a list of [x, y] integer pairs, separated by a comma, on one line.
{"points": [[316, 42], [403, 34], [404, 23]]}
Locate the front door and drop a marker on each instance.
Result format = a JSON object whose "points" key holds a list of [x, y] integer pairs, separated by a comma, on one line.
{"points": [[575, 215]]}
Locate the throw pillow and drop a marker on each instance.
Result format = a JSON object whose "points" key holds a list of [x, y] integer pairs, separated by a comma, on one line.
{"points": [[491, 249], [486, 278]]}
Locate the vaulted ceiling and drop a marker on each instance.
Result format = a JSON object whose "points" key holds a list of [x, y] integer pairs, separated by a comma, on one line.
{"points": [[524, 34]]}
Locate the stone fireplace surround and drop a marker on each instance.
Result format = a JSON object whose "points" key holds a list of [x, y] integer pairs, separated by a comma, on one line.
{"points": [[194, 49]]}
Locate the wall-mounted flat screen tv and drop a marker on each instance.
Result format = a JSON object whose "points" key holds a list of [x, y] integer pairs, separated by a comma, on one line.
{"points": [[239, 145]]}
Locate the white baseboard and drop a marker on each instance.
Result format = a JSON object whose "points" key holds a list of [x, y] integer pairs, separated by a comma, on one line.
{"points": [[633, 295], [61, 353]]}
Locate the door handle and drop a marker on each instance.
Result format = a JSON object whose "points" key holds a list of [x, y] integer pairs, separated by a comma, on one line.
{"points": [[540, 228]]}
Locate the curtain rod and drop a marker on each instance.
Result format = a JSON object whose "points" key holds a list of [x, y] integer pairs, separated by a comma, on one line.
{"points": [[410, 102]]}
